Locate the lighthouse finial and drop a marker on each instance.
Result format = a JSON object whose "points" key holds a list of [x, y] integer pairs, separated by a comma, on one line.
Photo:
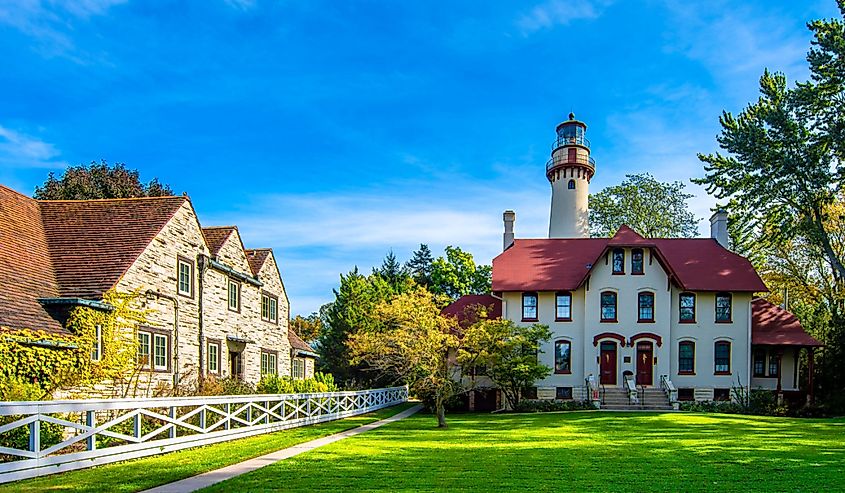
{"points": [[571, 115]]}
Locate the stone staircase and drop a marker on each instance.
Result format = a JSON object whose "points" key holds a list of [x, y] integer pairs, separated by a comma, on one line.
{"points": [[616, 399]]}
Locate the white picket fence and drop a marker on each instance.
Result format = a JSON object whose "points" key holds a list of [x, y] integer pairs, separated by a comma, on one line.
{"points": [[99, 431]]}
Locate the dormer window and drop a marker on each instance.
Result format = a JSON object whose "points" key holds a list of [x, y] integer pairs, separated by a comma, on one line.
{"points": [[636, 261], [618, 261], [529, 307]]}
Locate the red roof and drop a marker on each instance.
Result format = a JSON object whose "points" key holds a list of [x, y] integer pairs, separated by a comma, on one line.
{"points": [[773, 326], [296, 342], [562, 264], [465, 308]]}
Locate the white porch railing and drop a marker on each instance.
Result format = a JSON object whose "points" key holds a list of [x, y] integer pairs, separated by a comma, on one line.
{"points": [[99, 431], [669, 389], [630, 389]]}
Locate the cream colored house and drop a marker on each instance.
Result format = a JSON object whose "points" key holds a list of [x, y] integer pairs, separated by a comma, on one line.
{"points": [[632, 313], [216, 308]]}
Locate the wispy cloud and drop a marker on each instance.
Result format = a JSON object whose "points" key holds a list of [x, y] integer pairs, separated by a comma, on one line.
{"points": [[241, 4], [552, 13], [51, 23], [23, 151]]}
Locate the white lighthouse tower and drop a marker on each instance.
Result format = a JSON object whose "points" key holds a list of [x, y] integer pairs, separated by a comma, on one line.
{"points": [[569, 171]]}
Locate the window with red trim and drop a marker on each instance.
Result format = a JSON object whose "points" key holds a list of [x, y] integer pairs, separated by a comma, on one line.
{"points": [[722, 358], [636, 261], [687, 307], [608, 306], [563, 306], [529, 306], [645, 302], [618, 261]]}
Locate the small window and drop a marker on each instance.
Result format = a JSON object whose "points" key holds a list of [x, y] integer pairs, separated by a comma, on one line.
{"points": [[687, 308], [563, 357], [97, 350], [636, 261], [529, 306], [759, 363], [774, 365], [214, 357], [571, 185], [269, 362], [274, 309], [234, 296], [646, 307], [144, 349], [686, 358], [686, 394], [185, 273], [608, 306], [563, 393], [160, 351], [563, 306], [721, 394], [298, 368], [618, 261], [723, 358], [723, 307]]}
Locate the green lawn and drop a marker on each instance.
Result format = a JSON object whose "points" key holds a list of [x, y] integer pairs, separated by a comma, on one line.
{"points": [[571, 452], [140, 474]]}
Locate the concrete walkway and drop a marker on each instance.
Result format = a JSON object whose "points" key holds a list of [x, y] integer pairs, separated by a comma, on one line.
{"points": [[212, 477]]}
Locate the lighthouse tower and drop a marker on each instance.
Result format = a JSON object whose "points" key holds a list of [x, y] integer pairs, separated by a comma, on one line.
{"points": [[569, 171]]}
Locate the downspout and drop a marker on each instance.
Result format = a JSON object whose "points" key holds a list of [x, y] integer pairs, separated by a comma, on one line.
{"points": [[201, 267], [172, 299], [504, 305]]}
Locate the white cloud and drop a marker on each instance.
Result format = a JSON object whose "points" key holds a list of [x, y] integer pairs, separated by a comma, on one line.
{"points": [[554, 13], [24, 151]]}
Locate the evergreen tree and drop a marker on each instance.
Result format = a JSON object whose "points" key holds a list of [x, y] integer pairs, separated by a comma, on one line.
{"points": [[419, 267]]}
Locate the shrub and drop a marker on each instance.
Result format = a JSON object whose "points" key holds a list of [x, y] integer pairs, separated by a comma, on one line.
{"points": [[275, 384], [15, 389], [544, 406]]}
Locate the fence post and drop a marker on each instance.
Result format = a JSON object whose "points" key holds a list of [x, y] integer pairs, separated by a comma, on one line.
{"points": [[228, 424], [35, 436], [136, 425], [172, 425], [91, 420]]}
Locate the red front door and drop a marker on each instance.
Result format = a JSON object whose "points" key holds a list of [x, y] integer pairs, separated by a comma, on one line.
{"points": [[607, 363], [645, 363]]}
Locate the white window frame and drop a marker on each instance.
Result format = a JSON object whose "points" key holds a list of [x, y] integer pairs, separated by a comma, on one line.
{"points": [[237, 296], [298, 368], [190, 277], [274, 309], [149, 345], [155, 347], [97, 350], [269, 363], [213, 363]]}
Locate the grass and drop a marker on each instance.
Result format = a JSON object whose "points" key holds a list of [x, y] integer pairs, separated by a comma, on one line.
{"points": [[594, 451], [141, 474]]}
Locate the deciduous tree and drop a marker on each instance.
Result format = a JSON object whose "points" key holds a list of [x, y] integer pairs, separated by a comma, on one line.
{"points": [[652, 208], [99, 181], [457, 274]]}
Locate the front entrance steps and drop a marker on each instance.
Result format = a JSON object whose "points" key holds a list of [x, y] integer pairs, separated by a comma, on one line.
{"points": [[616, 399]]}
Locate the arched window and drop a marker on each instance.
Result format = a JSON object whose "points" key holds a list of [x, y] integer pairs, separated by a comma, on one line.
{"points": [[645, 304], [722, 358], [529, 306], [686, 358], [563, 357], [563, 306], [618, 261], [636, 261], [571, 185], [687, 307], [608, 306], [723, 307]]}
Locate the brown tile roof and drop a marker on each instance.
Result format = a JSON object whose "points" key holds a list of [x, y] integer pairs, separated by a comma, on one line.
{"points": [[297, 343], [26, 270], [94, 242], [256, 258], [69, 248], [215, 236], [698, 264], [773, 326]]}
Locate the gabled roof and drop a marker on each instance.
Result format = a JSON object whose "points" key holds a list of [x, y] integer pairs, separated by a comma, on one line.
{"points": [[94, 242], [256, 258], [26, 269], [563, 264], [216, 236], [772, 325], [298, 344]]}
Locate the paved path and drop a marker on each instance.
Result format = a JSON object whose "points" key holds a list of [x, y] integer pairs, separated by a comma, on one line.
{"points": [[212, 477]]}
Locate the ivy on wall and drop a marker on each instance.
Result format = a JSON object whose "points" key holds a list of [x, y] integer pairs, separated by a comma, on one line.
{"points": [[35, 363]]}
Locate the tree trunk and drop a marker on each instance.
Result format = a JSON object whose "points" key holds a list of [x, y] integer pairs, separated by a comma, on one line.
{"points": [[441, 413]]}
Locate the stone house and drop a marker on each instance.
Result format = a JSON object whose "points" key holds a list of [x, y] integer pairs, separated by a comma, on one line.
{"points": [[643, 314], [215, 308]]}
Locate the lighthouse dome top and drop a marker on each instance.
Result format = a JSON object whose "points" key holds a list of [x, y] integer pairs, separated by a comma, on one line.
{"points": [[571, 132]]}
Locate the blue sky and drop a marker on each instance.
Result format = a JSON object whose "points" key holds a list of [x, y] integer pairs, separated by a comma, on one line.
{"points": [[335, 131]]}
